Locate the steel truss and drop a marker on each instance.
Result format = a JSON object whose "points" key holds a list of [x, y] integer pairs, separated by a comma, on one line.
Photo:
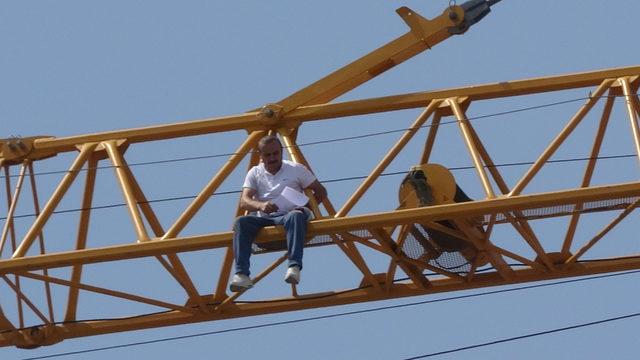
{"points": [[30, 324]]}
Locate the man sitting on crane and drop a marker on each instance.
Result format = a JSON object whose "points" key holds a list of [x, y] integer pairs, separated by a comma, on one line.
{"points": [[263, 194]]}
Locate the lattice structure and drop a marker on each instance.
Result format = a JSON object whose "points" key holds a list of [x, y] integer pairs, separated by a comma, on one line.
{"points": [[41, 274]]}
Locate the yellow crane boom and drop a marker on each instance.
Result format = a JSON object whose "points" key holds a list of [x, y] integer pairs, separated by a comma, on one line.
{"points": [[401, 236]]}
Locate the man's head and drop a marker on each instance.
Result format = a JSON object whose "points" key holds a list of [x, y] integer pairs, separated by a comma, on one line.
{"points": [[270, 149]]}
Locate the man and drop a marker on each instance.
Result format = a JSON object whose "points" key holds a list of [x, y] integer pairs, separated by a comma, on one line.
{"points": [[262, 185]]}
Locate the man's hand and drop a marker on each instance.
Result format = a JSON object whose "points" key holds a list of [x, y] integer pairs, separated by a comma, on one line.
{"points": [[248, 202], [319, 192], [268, 207]]}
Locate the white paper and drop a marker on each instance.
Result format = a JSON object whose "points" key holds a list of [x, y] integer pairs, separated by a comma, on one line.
{"points": [[290, 199]]}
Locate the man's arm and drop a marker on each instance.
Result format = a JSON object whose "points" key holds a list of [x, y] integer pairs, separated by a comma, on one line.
{"points": [[247, 202], [319, 192]]}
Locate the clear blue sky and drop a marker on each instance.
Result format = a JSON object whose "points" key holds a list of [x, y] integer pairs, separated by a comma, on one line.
{"points": [[77, 67]]}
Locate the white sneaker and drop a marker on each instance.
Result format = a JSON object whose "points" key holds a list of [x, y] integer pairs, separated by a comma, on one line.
{"points": [[293, 275], [240, 282]]}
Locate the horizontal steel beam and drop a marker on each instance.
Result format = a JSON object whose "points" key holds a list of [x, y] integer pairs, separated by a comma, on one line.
{"points": [[474, 92], [399, 290], [323, 227], [254, 120]]}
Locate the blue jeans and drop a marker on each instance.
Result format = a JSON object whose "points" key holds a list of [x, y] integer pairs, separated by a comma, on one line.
{"points": [[246, 228]]}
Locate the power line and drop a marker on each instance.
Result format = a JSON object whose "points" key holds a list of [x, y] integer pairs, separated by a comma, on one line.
{"points": [[349, 178], [357, 312], [355, 137], [514, 338], [337, 293]]}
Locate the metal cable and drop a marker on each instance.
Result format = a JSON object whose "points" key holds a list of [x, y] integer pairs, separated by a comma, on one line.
{"points": [[370, 310], [530, 335], [350, 178], [348, 138]]}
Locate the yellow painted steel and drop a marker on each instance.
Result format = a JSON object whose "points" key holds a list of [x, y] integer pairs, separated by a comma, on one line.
{"points": [[588, 172], [326, 226], [127, 190], [36, 207], [86, 151], [385, 233], [631, 100], [463, 122], [212, 186], [375, 173], [81, 240], [329, 226], [555, 144], [8, 225], [98, 327], [16, 288], [256, 120], [423, 35]]}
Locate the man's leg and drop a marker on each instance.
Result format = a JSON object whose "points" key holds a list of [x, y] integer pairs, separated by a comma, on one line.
{"points": [[295, 225], [245, 230]]}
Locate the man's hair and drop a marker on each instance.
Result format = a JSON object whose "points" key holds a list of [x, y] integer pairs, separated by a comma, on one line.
{"points": [[268, 140]]}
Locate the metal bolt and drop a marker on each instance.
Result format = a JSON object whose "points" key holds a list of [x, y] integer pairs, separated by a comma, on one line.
{"points": [[268, 112]]}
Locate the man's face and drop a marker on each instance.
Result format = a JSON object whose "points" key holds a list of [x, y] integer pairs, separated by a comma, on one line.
{"points": [[271, 155]]}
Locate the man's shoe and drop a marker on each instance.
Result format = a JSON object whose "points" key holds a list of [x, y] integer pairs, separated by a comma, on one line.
{"points": [[240, 282], [293, 275]]}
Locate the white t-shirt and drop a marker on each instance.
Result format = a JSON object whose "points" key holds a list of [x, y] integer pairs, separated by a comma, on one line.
{"points": [[269, 186]]}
